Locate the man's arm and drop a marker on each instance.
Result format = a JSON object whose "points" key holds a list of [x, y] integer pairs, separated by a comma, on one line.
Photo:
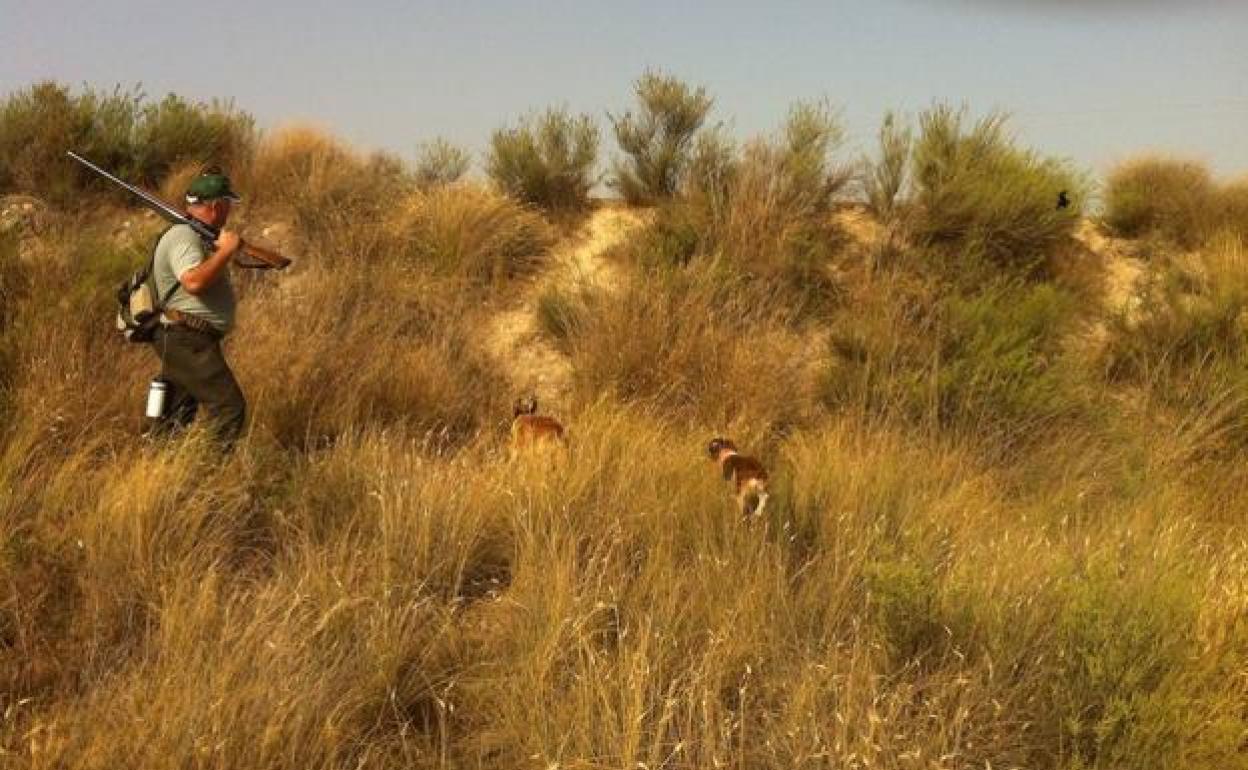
{"points": [[203, 275]]}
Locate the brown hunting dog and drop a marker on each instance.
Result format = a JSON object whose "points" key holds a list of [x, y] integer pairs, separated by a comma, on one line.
{"points": [[747, 473], [530, 428]]}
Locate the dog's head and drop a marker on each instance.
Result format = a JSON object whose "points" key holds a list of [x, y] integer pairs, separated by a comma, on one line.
{"points": [[718, 446], [524, 406]]}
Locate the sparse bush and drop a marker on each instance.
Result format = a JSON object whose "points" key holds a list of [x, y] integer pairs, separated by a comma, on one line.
{"points": [[811, 134], [37, 126], [441, 163], [1155, 196], [712, 169], [547, 160], [174, 131], [979, 196], [120, 131], [765, 213], [658, 138], [886, 178], [781, 189]]}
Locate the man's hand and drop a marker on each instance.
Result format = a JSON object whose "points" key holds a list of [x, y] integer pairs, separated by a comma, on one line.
{"points": [[228, 242], [203, 275]]}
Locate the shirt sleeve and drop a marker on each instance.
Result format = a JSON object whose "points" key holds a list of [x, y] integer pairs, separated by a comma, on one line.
{"points": [[185, 254]]}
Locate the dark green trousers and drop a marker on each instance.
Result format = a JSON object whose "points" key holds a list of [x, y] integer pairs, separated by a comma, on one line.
{"points": [[198, 376]]}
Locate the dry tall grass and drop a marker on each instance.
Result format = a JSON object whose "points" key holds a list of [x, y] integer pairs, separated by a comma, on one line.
{"points": [[378, 604], [368, 580]]}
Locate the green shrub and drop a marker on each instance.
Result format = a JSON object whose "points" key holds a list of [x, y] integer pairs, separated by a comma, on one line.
{"points": [[673, 239], [783, 185], [1163, 197], [37, 126], [440, 163], [1123, 641], [808, 178], [766, 213], [120, 131], [174, 131], [980, 196], [989, 361], [902, 596], [999, 364], [548, 160], [658, 138]]}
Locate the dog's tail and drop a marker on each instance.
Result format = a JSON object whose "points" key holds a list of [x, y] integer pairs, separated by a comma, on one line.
{"points": [[756, 496]]}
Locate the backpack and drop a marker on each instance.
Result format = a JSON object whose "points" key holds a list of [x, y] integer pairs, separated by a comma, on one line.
{"points": [[138, 311]]}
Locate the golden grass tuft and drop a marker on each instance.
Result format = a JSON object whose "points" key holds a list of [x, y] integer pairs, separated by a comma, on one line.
{"points": [[470, 233]]}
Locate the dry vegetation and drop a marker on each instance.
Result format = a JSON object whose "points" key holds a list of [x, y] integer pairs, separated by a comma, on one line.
{"points": [[989, 545]]}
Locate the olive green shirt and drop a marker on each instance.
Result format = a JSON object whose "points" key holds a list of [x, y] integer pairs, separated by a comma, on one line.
{"points": [[178, 250]]}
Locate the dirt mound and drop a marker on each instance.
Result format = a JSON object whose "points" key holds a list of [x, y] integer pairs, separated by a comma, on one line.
{"points": [[1122, 270], [513, 337]]}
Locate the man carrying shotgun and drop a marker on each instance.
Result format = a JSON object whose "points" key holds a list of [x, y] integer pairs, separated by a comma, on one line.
{"points": [[199, 312]]}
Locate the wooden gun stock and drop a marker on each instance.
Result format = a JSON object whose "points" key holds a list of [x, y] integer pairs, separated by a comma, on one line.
{"points": [[264, 257]]}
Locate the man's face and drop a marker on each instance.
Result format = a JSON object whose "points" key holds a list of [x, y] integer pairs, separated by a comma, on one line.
{"points": [[220, 211], [213, 213]]}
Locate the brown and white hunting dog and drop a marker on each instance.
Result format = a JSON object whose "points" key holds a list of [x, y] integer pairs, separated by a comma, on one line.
{"points": [[528, 428], [748, 475]]}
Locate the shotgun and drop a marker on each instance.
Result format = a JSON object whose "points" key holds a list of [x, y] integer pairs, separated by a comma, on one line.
{"points": [[264, 258]]}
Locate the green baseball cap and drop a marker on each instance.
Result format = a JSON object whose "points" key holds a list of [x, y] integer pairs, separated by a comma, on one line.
{"points": [[209, 186]]}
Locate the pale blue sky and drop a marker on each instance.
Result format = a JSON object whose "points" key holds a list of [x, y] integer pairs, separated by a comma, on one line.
{"points": [[1095, 81]]}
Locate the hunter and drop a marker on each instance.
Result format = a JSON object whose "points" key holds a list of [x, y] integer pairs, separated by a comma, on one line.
{"points": [[199, 313]]}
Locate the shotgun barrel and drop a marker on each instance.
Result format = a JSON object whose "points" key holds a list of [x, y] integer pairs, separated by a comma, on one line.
{"points": [[264, 257]]}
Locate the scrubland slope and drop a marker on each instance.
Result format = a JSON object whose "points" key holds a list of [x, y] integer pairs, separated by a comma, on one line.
{"points": [[1006, 441]]}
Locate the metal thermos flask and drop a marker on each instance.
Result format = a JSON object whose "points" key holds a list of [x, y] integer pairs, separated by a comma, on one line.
{"points": [[156, 393]]}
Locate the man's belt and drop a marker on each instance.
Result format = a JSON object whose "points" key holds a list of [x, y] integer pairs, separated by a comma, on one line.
{"points": [[195, 323]]}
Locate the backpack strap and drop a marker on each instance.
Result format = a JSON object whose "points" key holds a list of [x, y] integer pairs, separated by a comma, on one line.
{"points": [[151, 273]]}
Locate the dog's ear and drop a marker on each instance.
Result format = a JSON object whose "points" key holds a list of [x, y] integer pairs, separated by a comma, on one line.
{"points": [[713, 448], [517, 407], [533, 404]]}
